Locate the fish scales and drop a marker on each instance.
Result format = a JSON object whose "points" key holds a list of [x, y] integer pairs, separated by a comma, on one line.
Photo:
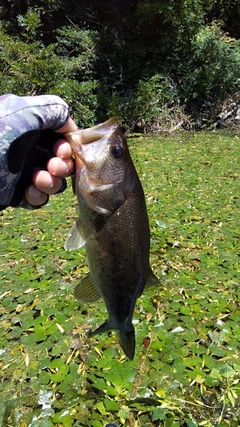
{"points": [[113, 226]]}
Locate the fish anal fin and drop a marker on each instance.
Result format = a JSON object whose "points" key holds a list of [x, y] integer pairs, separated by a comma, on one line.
{"points": [[152, 280], [86, 291], [74, 239]]}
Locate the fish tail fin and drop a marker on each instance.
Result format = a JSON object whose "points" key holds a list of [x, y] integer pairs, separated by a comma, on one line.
{"points": [[103, 328], [127, 342], [126, 338]]}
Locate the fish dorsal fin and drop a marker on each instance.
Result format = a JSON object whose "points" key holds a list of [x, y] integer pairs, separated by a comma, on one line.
{"points": [[86, 291], [74, 239], [152, 280]]}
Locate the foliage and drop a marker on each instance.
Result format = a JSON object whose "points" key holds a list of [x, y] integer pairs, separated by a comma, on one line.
{"points": [[186, 371], [150, 107], [213, 69], [26, 69], [228, 12], [30, 24], [156, 60]]}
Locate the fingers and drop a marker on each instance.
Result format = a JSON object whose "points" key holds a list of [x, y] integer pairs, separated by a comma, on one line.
{"points": [[62, 149], [69, 126], [34, 196], [47, 182], [60, 167]]}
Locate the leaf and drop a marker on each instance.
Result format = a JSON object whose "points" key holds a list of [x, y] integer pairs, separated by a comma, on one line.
{"points": [[111, 405], [100, 406], [191, 423], [124, 412], [159, 414]]}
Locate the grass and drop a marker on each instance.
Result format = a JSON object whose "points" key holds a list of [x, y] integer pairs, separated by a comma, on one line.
{"points": [[186, 371]]}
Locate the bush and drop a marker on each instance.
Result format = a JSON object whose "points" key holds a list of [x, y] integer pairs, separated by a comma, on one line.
{"points": [[212, 71], [32, 69], [152, 106], [146, 63]]}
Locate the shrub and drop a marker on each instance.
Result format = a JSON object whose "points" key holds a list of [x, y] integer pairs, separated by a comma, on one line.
{"points": [[152, 106], [32, 69], [213, 67]]}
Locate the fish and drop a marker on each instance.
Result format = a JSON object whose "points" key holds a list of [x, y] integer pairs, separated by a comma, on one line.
{"points": [[113, 227]]}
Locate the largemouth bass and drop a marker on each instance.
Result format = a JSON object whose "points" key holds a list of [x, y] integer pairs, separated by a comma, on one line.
{"points": [[113, 225]]}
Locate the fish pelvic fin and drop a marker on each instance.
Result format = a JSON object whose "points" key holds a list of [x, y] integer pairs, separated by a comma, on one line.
{"points": [[74, 239], [152, 280], [126, 338], [85, 291]]}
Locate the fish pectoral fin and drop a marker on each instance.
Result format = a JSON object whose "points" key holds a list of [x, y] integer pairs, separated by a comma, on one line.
{"points": [[152, 280], [74, 240], [86, 291]]}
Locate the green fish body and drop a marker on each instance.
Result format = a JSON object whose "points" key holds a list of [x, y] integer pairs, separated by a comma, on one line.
{"points": [[113, 226]]}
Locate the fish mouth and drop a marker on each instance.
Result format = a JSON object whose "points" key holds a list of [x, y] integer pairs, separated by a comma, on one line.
{"points": [[92, 134], [79, 141], [83, 137]]}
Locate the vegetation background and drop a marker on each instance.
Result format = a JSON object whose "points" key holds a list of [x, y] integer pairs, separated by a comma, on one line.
{"points": [[186, 370], [153, 64]]}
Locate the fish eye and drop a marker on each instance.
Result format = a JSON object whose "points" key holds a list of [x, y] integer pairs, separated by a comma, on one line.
{"points": [[117, 151]]}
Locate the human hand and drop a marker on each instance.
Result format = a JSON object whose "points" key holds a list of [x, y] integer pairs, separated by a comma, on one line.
{"points": [[47, 182], [34, 157]]}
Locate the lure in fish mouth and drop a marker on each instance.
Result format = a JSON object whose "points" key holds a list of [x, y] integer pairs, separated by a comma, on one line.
{"points": [[113, 226]]}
